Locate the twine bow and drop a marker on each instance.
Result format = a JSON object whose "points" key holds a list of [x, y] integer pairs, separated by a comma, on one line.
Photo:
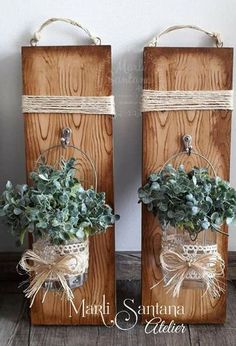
{"points": [[209, 267], [44, 270]]}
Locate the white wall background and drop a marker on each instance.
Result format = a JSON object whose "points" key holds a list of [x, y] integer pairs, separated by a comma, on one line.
{"points": [[127, 26]]}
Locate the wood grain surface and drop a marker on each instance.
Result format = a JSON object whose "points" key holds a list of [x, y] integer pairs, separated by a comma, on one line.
{"points": [[183, 69], [74, 71], [16, 330]]}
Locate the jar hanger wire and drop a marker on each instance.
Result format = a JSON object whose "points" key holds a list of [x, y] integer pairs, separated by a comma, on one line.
{"points": [[65, 144], [187, 140]]}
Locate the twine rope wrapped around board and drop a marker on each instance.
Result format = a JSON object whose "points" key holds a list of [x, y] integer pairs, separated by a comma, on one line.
{"points": [[68, 104], [155, 100]]}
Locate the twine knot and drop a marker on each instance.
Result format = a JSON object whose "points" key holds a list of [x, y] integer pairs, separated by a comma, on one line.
{"points": [[218, 39], [35, 39], [97, 40], [190, 263]]}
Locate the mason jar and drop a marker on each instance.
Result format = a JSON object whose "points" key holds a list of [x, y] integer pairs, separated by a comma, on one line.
{"points": [[78, 263], [178, 241]]}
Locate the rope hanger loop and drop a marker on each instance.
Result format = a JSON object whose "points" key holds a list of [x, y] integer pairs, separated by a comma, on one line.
{"points": [[37, 35], [213, 35]]}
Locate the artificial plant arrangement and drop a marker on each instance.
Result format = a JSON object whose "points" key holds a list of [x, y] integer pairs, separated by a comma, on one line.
{"points": [[189, 202], [61, 215]]}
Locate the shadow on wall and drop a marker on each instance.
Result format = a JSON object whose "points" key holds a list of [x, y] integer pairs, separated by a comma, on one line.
{"points": [[127, 86], [12, 134]]}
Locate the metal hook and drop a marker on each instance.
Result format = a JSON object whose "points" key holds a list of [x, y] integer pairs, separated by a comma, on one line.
{"points": [[187, 139], [66, 137]]}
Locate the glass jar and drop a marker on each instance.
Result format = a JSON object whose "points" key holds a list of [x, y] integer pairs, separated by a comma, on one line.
{"points": [[53, 253], [179, 242]]}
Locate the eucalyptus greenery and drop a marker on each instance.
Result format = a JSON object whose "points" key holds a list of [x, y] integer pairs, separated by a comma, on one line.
{"points": [[56, 206], [193, 201]]}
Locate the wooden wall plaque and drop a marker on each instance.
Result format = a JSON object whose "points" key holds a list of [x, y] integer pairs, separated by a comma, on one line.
{"points": [[183, 69], [74, 71]]}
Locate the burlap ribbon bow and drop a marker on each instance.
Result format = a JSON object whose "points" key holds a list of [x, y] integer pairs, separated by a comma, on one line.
{"points": [[209, 267], [44, 270]]}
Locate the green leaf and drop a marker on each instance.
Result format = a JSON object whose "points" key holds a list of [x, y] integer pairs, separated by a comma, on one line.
{"points": [[9, 185], [57, 184], [22, 236], [2, 212], [195, 210], [56, 205], [146, 199], [153, 177], [179, 215], [155, 186], [205, 224], [209, 200], [68, 227], [189, 197], [80, 233], [141, 193], [191, 200], [17, 211], [163, 207], [215, 216], [229, 220], [55, 223], [43, 177], [170, 214]]}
